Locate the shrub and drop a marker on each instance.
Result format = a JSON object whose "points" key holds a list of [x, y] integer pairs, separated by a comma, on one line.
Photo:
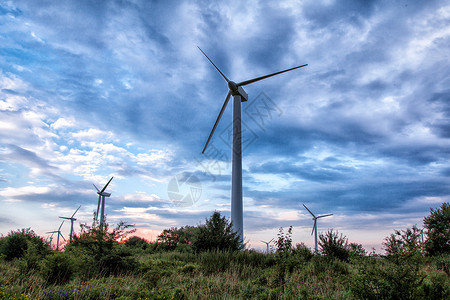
{"points": [[356, 249], [57, 268], [435, 286], [302, 252], [217, 234], [17, 243], [176, 238], [283, 256], [117, 262], [15, 246], [334, 245], [136, 242], [189, 268], [403, 244], [377, 279]]}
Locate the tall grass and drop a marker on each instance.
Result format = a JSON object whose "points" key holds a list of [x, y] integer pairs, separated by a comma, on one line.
{"points": [[236, 275]]}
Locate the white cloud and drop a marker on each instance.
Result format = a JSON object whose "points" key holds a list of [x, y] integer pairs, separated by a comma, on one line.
{"points": [[93, 134], [63, 123], [155, 158]]}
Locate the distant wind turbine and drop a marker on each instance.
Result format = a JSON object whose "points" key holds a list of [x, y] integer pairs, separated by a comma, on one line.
{"points": [[72, 219], [239, 95], [267, 243], [314, 230], [58, 234], [101, 201], [50, 239]]}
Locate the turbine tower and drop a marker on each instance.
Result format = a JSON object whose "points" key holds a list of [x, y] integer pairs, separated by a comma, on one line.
{"points": [[267, 243], [314, 230], [101, 201], [58, 233], [72, 219], [239, 95]]}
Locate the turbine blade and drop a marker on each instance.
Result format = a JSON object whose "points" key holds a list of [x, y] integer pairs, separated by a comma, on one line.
{"points": [[67, 218], [322, 216], [61, 225], [96, 188], [314, 226], [52, 232], [225, 77], [217, 121], [270, 240], [309, 211], [62, 236], [267, 76], [104, 188], [76, 211]]}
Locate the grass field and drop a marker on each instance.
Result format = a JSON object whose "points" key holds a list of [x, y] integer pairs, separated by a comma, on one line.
{"points": [[227, 275]]}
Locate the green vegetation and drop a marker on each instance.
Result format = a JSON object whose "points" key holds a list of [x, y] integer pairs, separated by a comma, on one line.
{"points": [[207, 262]]}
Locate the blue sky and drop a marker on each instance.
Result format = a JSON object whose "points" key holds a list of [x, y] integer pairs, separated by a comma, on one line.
{"points": [[94, 89]]}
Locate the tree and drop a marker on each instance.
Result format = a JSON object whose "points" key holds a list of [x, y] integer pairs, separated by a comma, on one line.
{"points": [[136, 243], [174, 237], [403, 243], [334, 245], [437, 226], [217, 234]]}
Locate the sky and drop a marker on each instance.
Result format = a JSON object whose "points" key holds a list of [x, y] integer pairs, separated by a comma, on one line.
{"points": [[91, 90]]}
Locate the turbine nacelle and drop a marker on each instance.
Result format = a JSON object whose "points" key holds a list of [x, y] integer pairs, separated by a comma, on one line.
{"points": [[104, 194], [236, 90]]}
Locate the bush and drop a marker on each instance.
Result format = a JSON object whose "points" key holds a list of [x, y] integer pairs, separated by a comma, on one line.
{"points": [[334, 245], [438, 230], [435, 286], [302, 252], [136, 242], [404, 244], [17, 243], [283, 256], [57, 268], [15, 246], [217, 234], [117, 262], [376, 279]]}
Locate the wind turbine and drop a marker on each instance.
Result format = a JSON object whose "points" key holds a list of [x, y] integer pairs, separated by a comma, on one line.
{"points": [[314, 230], [101, 201], [239, 95], [50, 239], [267, 243], [72, 219], [58, 234]]}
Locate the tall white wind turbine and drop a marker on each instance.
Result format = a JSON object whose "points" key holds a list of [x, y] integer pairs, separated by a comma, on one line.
{"points": [[314, 230], [239, 95], [267, 244], [101, 201], [72, 219], [58, 233]]}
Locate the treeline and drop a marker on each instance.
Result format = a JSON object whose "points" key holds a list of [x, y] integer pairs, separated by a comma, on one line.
{"points": [[209, 261]]}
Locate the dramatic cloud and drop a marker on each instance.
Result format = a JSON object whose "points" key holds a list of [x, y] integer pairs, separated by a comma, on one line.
{"points": [[118, 88]]}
